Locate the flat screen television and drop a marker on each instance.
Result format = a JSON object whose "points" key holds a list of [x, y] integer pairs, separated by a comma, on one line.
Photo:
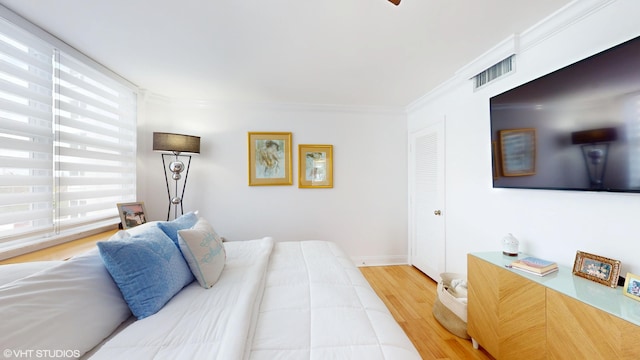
{"points": [[577, 128]]}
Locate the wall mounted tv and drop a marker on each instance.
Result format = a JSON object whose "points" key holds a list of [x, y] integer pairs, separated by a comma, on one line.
{"points": [[577, 128]]}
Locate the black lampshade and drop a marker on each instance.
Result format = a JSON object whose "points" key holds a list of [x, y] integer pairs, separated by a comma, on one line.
{"points": [[594, 136], [176, 143]]}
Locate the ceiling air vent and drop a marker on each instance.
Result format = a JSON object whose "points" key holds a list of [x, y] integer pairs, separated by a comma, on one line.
{"points": [[503, 67]]}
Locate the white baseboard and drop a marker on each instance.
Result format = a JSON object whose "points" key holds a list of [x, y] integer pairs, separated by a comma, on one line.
{"points": [[380, 260]]}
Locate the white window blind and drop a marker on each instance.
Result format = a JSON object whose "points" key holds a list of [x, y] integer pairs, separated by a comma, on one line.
{"points": [[67, 142]]}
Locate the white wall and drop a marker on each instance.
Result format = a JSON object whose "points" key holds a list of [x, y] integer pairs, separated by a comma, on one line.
{"points": [[549, 224], [365, 212]]}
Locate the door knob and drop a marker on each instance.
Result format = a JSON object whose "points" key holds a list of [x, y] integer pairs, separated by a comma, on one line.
{"points": [[437, 213]]}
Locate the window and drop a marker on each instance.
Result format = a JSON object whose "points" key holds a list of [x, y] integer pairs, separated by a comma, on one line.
{"points": [[67, 142]]}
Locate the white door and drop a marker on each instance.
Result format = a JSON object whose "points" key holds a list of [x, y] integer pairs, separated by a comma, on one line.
{"points": [[426, 200]]}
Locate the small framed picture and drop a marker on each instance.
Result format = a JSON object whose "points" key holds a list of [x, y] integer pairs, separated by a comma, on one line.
{"points": [[632, 286], [132, 214], [518, 152], [270, 158], [597, 268], [315, 168]]}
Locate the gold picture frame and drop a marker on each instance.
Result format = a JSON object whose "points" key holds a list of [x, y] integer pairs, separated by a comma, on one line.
{"points": [[495, 160], [597, 268], [269, 158], [131, 214], [315, 166], [518, 152], [632, 286]]}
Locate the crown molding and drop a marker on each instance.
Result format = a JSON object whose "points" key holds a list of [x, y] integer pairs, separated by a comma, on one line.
{"points": [[565, 17], [516, 44], [204, 103]]}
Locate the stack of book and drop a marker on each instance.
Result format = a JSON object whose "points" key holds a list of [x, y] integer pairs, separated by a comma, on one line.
{"points": [[534, 265]]}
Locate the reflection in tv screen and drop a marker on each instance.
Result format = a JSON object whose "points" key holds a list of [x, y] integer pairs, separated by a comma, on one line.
{"points": [[577, 128]]}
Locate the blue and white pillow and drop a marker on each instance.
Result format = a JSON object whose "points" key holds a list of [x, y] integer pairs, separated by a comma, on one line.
{"points": [[171, 228], [204, 252], [148, 269]]}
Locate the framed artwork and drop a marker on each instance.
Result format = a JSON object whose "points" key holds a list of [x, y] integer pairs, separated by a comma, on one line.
{"points": [[131, 214], [632, 286], [315, 168], [270, 158], [518, 152], [597, 268]]}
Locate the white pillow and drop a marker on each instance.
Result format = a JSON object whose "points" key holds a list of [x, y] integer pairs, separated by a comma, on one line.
{"points": [[204, 252], [71, 306], [12, 272]]}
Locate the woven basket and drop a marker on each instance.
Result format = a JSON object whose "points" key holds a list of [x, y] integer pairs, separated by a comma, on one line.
{"points": [[450, 312]]}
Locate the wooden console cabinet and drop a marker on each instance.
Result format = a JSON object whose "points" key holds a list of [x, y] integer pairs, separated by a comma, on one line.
{"points": [[514, 315]]}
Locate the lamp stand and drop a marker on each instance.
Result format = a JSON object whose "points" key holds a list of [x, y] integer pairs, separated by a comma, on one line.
{"points": [[595, 159], [175, 168]]}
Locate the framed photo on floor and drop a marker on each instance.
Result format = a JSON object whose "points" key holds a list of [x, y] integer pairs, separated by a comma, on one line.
{"points": [[315, 168], [269, 158], [131, 214]]}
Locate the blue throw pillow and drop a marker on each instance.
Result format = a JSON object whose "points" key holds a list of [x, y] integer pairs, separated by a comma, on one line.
{"points": [[171, 228], [148, 269]]}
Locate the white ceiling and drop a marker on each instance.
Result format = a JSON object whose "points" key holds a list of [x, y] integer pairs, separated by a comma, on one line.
{"points": [[330, 52]]}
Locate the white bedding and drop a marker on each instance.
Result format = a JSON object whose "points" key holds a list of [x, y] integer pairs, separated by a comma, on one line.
{"points": [[291, 300], [318, 305], [201, 323]]}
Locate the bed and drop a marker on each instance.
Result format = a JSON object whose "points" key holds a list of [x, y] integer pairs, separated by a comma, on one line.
{"points": [[272, 300]]}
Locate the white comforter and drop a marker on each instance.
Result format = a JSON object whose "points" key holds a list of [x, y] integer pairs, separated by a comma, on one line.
{"points": [[294, 300]]}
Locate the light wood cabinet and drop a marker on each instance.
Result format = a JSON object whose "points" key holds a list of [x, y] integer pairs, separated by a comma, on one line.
{"points": [[586, 332], [483, 283], [514, 315], [508, 312]]}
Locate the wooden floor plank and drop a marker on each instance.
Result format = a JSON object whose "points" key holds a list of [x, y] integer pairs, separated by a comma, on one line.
{"points": [[409, 294]]}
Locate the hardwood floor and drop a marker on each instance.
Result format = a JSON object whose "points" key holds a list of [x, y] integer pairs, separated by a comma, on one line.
{"points": [[409, 295]]}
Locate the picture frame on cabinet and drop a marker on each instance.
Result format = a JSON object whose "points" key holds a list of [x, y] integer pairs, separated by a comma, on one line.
{"points": [[269, 160], [518, 152], [315, 168], [131, 214], [597, 268], [632, 286]]}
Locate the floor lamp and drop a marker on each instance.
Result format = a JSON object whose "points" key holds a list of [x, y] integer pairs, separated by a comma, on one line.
{"points": [[176, 144], [595, 151]]}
